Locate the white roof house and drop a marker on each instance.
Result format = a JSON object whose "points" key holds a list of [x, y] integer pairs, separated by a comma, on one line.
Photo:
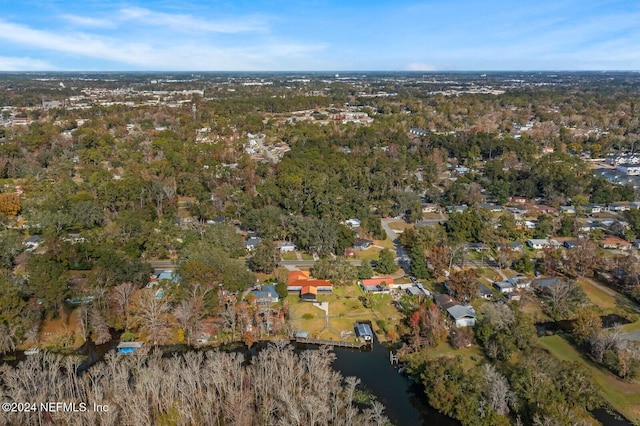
{"points": [[464, 316]]}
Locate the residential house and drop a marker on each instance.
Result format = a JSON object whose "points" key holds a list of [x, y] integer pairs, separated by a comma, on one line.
{"points": [[376, 285], [619, 207], [516, 245], [611, 242], [593, 208], [299, 279], [33, 242], [567, 209], [490, 206], [485, 292], [353, 223], [504, 287], [217, 220], [251, 244], [286, 247], [444, 301], [539, 244], [543, 284], [520, 281], [430, 208], [267, 294], [362, 243], [463, 316], [629, 169], [570, 244], [519, 200], [309, 293]]}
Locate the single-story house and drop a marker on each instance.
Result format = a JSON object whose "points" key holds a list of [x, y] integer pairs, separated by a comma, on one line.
{"points": [[217, 220], [619, 207], [520, 281], [515, 245], [504, 287], [611, 242], [309, 293], [251, 243], [354, 223], [33, 242], [362, 244], [568, 209], [286, 247], [490, 206], [570, 244], [299, 279], [539, 243], [543, 284], [129, 347], [376, 285], [444, 301], [430, 208], [485, 292], [593, 208], [463, 316], [267, 294]]}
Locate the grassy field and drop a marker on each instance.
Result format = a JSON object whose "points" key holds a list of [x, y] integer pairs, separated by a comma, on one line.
{"points": [[597, 296], [372, 253], [289, 256], [624, 396], [471, 356], [387, 243], [345, 308], [400, 226]]}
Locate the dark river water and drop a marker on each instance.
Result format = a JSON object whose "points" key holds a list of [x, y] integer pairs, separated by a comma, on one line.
{"points": [[405, 402]]}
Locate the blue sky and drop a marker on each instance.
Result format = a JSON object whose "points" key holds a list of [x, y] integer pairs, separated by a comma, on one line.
{"points": [[230, 35]]}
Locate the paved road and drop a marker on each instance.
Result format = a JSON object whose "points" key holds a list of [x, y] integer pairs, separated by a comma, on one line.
{"points": [[401, 253], [287, 263]]}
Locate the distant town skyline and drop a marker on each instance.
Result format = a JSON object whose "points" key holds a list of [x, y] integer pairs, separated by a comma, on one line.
{"points": [[279, 35]]}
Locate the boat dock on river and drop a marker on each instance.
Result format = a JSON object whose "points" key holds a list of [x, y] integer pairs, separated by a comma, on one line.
{"points": [[340, 343]]}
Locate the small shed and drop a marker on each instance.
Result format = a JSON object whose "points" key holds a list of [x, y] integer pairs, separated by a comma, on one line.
{"points": [[363, 331], [129, 347]]}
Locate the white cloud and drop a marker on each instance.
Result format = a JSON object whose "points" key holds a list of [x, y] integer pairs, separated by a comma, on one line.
{"points": [[89, 22], [162, 53], [421, 67], [23, 64], [188, 23]]}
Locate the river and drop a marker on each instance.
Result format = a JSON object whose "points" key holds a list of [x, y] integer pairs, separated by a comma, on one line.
{"points": [[405, 402]]}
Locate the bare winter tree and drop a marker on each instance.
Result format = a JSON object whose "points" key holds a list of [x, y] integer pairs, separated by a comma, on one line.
{"points": [[498, 392], [151, 314], [119, 298], [99, 326]]}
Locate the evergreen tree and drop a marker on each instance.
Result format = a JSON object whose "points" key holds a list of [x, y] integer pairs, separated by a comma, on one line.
{"points": [[365, 271], [386, 262]]}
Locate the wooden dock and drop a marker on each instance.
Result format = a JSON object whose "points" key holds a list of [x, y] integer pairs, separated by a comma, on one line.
{"points": [[340, 343]]}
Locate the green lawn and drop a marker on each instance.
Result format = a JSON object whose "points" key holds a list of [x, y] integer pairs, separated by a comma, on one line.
{"points": [[345, 308], [597, 296], [289, 256], [622, 395], [372, 253], [400, 226]]}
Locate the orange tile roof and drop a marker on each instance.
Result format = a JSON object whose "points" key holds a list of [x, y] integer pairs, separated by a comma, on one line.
{"points": [[297, 275], [377, 281], [309, 290]]}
